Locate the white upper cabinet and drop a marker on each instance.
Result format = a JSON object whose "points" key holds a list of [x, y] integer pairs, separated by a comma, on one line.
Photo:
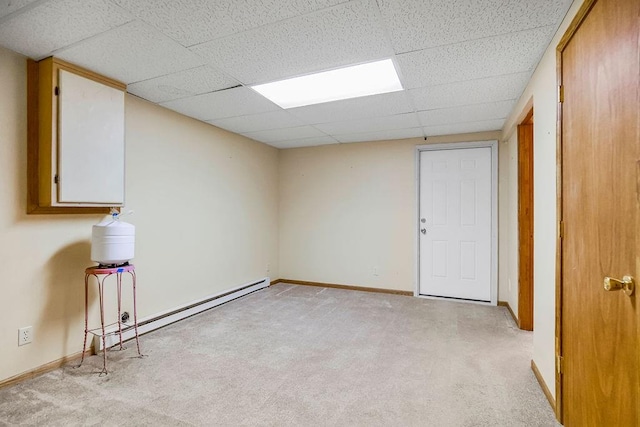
{"points": [[91, 142], [76, 139]]}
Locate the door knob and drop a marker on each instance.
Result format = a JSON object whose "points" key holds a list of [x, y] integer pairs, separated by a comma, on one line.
{"points": [[626, 284], [423, 230]]}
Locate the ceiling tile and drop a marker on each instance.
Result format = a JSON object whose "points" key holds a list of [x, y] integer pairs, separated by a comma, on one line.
{"points": [[185, 83], [398, 121], [190, 22], [476, 91], [131, 53], [466, 113], [288, 134], [10, 6], [506, 54], [381, 135], [386, 104], [422, 24], [463, 63], [342, 35], [45, 28], [238, 101], [451, 129], [306, 142], [257, 122]]}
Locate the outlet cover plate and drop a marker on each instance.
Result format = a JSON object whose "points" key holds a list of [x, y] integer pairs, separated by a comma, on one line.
{"points": [[25, 335]]}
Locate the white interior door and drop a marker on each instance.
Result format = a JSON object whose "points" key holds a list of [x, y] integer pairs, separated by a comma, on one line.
{"points": [[455, 214]]}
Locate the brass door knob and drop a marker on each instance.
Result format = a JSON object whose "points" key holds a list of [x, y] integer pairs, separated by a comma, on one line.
{"points": [[626, 284]]}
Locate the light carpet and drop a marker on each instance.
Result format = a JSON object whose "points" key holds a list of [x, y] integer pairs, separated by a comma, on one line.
{"points": [[305, 356]]}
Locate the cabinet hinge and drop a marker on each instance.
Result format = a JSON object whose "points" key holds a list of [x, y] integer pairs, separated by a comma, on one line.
{"points": [[56, 91], [561, 229], [55, 179], [560, 364], [561, 93]]}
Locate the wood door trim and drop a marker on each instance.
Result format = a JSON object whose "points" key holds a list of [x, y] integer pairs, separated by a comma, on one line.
{"points": [[525, 222], [575, 24]]}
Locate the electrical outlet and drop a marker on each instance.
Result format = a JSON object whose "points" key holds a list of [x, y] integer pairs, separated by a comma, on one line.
{"points": [[25, 335]]}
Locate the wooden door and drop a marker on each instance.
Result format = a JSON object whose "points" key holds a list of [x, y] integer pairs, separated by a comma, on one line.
{"points": [[455, 223], [600, 180], [525, 223]]}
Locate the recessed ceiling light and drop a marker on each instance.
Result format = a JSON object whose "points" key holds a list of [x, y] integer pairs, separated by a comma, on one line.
{"points": [[344, 83]]}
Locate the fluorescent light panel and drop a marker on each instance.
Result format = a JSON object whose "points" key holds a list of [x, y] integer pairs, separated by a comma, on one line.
{"points": [[344, 83]]}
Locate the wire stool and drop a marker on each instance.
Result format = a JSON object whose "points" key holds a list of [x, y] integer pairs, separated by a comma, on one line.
{"points": [[101, 273]]}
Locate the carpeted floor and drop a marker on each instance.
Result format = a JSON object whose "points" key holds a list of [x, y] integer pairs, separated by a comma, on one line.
{"points": [[304, 356]]}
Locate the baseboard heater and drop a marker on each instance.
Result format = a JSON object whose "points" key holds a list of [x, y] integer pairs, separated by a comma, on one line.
{"points": [[156, 321]]}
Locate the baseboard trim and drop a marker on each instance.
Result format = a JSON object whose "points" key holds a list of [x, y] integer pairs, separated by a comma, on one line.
{"points": [[346, 287], [543, 385], [146, 324], [43, 369], [506, 304], [275, 282], [160, 320]]}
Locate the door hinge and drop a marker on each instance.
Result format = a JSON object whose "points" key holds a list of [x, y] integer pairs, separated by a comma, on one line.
{"points": [[560, 364], [561, 93], [55, 179], [57, 91], [561, 229]]}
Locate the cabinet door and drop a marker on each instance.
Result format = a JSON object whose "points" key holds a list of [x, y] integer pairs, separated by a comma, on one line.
{"points": [[90, 141]]}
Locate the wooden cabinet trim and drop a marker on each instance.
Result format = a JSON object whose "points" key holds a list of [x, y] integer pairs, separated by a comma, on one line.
{"points": [[42, 77]]}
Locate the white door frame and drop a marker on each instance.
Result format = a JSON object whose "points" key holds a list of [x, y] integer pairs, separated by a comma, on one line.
{"points": [[494, 214]]}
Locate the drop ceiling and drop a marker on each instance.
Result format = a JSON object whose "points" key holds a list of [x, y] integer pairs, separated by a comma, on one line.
{"points": [[463, 63]]}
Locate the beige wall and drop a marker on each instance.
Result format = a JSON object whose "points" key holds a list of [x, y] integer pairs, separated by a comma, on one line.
{"points": [[204, 199], [205, 204], [508, 223], [543, 90], [348, 211], [343, 214]]}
